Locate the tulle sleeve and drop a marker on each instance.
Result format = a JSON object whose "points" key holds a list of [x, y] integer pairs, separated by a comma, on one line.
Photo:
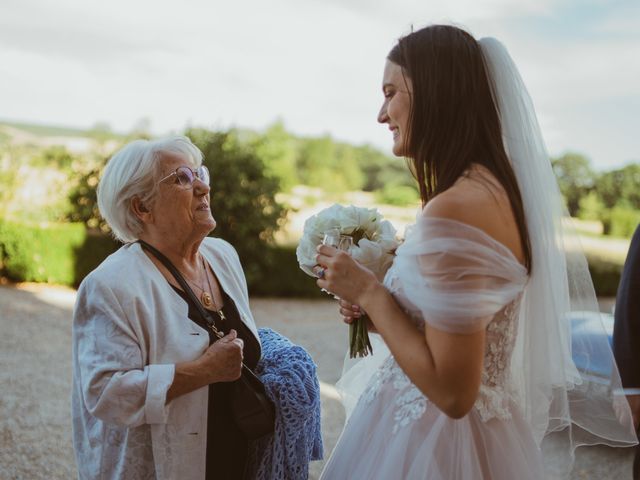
{"points": [[455, 275]]}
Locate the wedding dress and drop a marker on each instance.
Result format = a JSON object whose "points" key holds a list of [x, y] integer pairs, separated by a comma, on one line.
{"points": [[395, 432], [535, 405]]}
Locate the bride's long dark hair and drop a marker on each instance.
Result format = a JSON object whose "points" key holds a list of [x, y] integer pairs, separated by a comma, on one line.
{"points": [[453, 122]]}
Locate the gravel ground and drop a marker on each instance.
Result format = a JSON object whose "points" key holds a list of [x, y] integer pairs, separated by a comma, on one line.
{"points": [[35, 377]]}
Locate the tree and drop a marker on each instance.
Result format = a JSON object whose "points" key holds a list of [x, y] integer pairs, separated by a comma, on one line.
{"points": [[575, 178], [276, 148], [619, 185], [242, 197], [84, 200]]}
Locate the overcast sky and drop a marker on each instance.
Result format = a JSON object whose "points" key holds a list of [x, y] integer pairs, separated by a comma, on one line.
{"points": [[315, 64]]}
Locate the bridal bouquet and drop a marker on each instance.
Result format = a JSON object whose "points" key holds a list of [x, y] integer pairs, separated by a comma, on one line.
{"points": [[374, 241]]}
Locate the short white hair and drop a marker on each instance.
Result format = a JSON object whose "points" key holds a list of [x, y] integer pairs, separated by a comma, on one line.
{"points": [[133, 172]]}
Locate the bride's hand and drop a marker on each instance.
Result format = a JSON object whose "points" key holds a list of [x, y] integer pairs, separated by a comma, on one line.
{"points": [[343, 276], [349, 311]]}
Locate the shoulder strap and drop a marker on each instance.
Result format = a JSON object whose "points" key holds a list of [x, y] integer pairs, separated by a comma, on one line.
{"points": [[183, 283], [192, 296]]}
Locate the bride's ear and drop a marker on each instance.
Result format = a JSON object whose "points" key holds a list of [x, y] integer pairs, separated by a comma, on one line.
{"points": [[141, 210]]}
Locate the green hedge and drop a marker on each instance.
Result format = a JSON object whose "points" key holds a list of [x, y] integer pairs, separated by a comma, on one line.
{"points": [[605, 275], [282, 277], [65, 254], [39, 253]]}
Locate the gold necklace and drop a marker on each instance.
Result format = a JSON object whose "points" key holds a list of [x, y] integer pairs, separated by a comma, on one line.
{"points": [[208, 298]]}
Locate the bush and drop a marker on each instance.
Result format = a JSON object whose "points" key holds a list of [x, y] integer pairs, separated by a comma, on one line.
{"points": [[605, 275], [591, 207], [624, 220], [33, 253], [242, 198], [87, 256], [399, 195], [284, 278]]}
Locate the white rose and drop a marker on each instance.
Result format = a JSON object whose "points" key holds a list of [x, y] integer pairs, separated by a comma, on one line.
{"points": [[372, 256]]}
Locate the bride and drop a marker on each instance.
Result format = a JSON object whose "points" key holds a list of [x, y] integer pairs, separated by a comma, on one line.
{"points": [[477, 379]]}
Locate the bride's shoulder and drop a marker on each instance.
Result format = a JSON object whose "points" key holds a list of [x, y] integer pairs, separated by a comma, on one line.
{"points": [[478, 200], [473, 199]]}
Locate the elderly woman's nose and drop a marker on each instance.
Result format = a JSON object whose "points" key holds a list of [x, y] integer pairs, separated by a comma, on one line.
{"points": [[200, 188]]}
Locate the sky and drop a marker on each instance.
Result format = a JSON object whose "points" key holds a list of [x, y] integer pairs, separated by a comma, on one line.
{"points": [[316, 65]]}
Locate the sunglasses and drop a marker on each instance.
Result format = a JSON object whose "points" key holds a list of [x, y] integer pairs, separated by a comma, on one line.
{"points": [[186, 176]]}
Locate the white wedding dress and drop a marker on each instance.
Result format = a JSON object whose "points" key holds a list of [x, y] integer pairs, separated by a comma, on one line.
{"points": [[459, 279]]}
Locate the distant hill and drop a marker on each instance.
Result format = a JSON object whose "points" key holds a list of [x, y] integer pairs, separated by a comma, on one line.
{"points": [[76, 140]]}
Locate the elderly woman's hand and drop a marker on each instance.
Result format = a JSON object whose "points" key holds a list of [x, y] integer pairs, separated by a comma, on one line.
{"points": [[223, 359]]}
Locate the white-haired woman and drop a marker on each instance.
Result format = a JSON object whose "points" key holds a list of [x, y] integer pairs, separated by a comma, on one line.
{"points": [[141, 352]]}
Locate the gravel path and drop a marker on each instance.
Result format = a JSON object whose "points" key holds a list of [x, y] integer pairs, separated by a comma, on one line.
{"points": [[35, 377]]}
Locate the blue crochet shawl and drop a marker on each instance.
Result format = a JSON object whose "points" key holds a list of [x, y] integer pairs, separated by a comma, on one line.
{"points": [[290, 380]]}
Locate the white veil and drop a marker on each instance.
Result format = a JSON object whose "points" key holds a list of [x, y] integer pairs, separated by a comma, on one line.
{"points": [[567, 405]]}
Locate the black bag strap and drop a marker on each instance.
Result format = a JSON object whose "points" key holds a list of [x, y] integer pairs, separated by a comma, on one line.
{"points": [[185, 286], [192, 296]]}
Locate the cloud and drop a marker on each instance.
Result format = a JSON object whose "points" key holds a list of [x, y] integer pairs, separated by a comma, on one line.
{"points": [[316, 64]]}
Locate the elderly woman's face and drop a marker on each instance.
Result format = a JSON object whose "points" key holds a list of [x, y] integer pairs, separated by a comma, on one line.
{"points": [[182, 210]]}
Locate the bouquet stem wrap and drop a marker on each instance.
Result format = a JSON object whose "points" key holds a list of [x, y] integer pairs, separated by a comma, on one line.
{"points": [[359, 343]]}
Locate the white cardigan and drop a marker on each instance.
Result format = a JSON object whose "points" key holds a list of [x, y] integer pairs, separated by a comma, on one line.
{"points": [[130, 328]]}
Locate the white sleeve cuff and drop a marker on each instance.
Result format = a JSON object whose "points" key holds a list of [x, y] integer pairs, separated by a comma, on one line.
{"points": [[160, 379]]}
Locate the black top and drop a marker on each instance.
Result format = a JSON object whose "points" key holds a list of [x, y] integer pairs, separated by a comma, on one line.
{"points": [[626, 330], [227, 448]]}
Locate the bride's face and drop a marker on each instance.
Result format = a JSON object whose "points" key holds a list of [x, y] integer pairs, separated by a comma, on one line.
{"points": [[395, 109]]}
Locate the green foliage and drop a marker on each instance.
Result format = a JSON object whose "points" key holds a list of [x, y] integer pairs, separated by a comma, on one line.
{"points": [[90, 253], [605, 274], [380, 170], [624, 220], [575, 179], [56, 157], [242, 197], [39, 253], [399, 195], [591, 207], [277, 149], [84, 201], [283, 277], [334, 167], [621, 185], [9, 182]]}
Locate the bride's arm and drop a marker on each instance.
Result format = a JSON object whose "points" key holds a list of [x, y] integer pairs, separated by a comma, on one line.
{"points": [[446, 367]]}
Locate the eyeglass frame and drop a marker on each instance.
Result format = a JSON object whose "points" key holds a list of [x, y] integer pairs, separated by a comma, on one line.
{"points": [[196, 175]]}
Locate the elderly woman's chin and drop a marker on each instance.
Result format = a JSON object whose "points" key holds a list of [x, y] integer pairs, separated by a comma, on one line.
{"points": [[207, 223]]}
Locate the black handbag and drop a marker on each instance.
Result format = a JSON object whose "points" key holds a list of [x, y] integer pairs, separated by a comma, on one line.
{"points": [[252, 411]]}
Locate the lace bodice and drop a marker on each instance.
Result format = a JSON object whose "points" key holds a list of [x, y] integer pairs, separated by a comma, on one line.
{"points": [[496, 389]]}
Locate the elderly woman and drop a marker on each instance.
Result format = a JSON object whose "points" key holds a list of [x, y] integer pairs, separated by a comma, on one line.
{"points": [[151, 396]]}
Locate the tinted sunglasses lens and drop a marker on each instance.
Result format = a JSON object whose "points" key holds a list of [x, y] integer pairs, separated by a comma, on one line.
{"points": [[203, 174], [185, 176]]}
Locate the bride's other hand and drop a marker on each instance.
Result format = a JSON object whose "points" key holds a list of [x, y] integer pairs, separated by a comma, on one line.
{"points": [[349, 311], [343, 276]]}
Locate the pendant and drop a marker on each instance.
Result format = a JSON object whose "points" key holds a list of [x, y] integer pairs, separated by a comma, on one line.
{"points": [[206, 299]]}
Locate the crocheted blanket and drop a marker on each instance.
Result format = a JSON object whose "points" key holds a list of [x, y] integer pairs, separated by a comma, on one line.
{"points": [[289, 376]]}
